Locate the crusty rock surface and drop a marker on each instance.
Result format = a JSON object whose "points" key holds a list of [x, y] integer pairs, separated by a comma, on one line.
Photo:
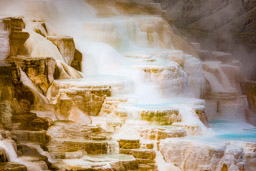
{"points": [[196, 155], [66, 46], [40, 70]]}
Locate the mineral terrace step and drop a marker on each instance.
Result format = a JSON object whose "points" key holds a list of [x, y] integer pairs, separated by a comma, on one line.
{"points": [[11, 166], [23, 117], [71, 145], [29, 121], [98, 163], [30, 136], [140, 153], [161, 133]]}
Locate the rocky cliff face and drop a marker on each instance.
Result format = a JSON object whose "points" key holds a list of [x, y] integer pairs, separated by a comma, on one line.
{"points": [[211, 15], [224, 25]]}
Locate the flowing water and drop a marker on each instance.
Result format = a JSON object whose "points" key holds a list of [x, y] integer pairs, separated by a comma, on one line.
{"points": [[237, 131], [137, 58], [8, 146]]}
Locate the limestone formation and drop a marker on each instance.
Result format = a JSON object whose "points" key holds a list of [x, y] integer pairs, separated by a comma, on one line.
{"points": [[248, 89], [127, 7], [77, 61], [144, 157], [38, 45], [12, 166], [129, 144], [135, 104], [41, 71], [161, 133], [17, 37], [6, 114], [66, 47], [67, 136], [86, 98], [200, 155], [212, 19], [8, 86], [160, 117]]}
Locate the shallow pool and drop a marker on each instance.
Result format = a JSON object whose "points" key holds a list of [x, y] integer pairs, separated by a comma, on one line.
{"points": [[223, 130]]}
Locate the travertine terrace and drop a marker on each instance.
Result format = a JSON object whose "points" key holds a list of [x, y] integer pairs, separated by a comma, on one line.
{"points": [[112, 85]]}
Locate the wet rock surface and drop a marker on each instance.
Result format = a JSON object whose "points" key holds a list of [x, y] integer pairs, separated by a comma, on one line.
{"points": [[194, 17], [40, 70], [66, 47], [221, 156], [249, 89], [67, 136], [17, 37], [58, 121], [12, 167], [161, 133], [86, 98], [144, 157]]}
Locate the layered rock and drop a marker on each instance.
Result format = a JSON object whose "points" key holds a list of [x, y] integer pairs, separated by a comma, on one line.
{"points": [[222, 77], [38, 45], [17, 37], [40, 71], [127, 7], [66, 136], [66, 46], [165, 117], [190, 128], [77, 100], [249, 89], [143, 31], [223, 91], [9, 86], [12, 166], [99, 163], [77, 61], [86, 98], [110, 107], [158, 74], [6, 114], [197, 15], [193, 155], [161, 133], [144, 157]]}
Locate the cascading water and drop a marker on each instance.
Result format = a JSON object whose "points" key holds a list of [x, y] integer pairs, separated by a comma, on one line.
{"points": [[42, 152], [12, 156], [136, 57], [9, 149]]}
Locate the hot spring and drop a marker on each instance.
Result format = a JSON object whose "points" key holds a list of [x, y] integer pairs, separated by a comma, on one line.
{"points": [[114, 85]]}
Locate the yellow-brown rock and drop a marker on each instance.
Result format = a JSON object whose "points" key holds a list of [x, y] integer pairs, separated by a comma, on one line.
{"points": [[196, 155], [39, 70], [160, 133], [87, 98], [12, 166], [66, 46], [129, 144], [17, 37]]}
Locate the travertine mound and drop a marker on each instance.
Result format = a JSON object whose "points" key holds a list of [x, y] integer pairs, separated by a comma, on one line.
{"points": [[194, 155]]}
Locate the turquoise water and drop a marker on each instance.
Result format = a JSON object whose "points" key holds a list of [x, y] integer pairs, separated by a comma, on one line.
{"points": [[224, 131]]}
